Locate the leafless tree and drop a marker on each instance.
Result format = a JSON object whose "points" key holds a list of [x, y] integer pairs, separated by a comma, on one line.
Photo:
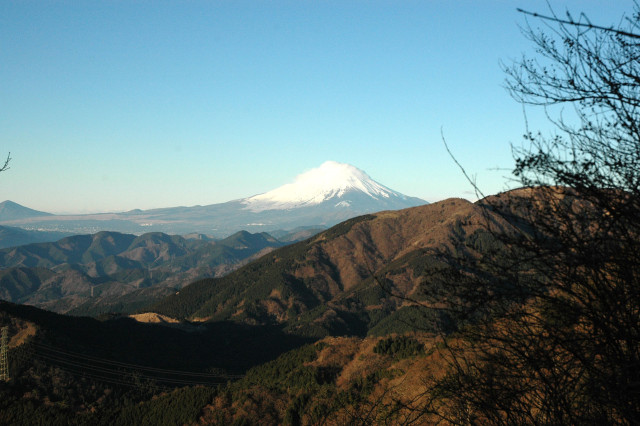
{"points": [[549, 306]]}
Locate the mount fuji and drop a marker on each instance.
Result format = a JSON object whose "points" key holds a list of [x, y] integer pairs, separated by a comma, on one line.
{"points": [[321, 197], [335, 185]]}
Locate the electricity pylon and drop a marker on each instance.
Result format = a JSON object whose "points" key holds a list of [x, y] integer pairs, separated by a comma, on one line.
{"points": [[4, 358]]}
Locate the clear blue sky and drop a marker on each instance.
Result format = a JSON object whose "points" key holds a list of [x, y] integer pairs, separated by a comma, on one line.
{"points": [[115, 105]]}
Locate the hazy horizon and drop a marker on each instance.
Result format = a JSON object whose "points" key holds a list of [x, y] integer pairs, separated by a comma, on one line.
{"points": [[109, 107], [88, 212]]}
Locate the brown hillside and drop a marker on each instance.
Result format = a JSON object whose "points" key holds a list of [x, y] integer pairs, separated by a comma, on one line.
{"points": [[331, 274], [370, 246], [373, 244], [353, 384]]}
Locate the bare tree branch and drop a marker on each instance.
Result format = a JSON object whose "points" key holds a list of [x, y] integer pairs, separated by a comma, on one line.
{"points": [[574, 23], [6, 163]]}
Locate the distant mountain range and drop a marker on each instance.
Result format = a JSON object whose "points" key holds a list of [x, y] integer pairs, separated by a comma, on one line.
{"points": [[321, 197], [110, 271]]}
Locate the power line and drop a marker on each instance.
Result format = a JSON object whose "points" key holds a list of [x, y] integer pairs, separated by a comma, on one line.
{"points": [[96, 376], [120, 373], [135, 366]]}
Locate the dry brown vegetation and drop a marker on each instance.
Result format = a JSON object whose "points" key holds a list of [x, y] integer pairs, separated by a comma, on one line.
{"points": [[363, 387]]}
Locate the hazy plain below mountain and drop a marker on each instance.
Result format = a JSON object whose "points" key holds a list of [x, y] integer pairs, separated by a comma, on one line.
{"points": [[14, 236], [110, 271], [321, 197], [11, 236]]}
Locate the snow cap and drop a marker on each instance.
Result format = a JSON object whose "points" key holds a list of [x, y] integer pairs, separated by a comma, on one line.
{"points": [[329, 181]]}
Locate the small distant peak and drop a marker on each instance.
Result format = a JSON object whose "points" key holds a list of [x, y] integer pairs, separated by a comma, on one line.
{"points": [[10, 204], [10, 210]]}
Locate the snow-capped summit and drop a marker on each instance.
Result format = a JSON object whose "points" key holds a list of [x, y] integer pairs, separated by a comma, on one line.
{"points": [[338, 183], [318, 198]]}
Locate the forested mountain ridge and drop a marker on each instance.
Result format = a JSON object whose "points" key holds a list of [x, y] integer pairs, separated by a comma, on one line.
{"points": [[109, 271], [325, 285]]}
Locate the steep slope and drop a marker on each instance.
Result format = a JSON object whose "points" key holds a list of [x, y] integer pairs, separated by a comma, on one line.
{"points": [[337, 381], [324, 285], [16, 283]]}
